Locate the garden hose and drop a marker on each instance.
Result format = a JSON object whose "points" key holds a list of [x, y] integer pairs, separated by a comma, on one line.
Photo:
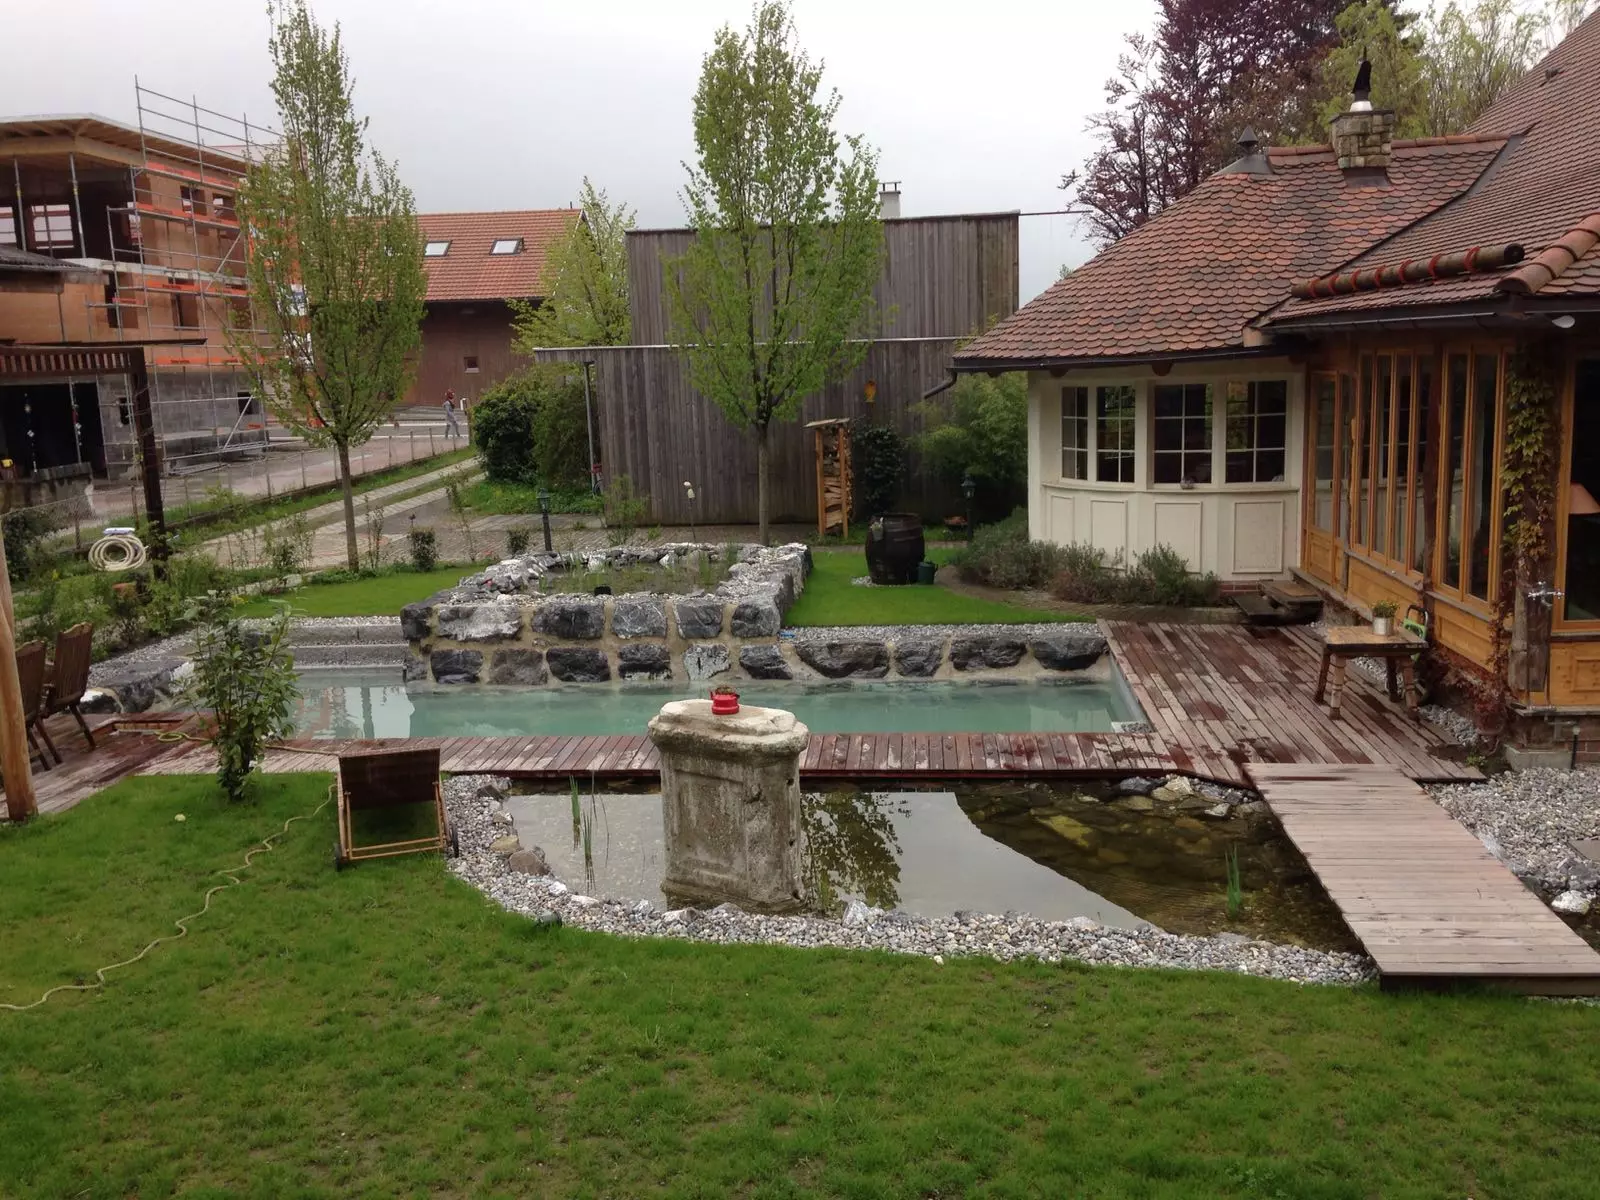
{"points": [[119, 550]]}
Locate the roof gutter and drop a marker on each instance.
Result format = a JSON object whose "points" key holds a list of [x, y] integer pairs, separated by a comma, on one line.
{"points": [[995, 366]]}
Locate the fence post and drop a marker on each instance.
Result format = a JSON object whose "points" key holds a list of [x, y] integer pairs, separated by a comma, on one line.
{"points": [[304, 486], [431, 450]]}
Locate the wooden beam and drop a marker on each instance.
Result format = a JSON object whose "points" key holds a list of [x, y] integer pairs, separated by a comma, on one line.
{"points": [[52, 147], [15, 767], [144, 424]]}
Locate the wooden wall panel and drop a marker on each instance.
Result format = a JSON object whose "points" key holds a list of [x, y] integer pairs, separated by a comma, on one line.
{"points": [[1575, 673]]}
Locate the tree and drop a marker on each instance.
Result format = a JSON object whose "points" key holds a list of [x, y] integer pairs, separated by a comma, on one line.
{"points": [[981, 431], [245, 679], [335, 264], [588, 300], [777, 282]]}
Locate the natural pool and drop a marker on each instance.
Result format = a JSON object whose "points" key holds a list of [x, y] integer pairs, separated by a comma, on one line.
{"points": [[354, 704], [1055, 853]]}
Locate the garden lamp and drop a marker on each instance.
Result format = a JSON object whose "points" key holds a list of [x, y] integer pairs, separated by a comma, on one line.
{"points": [[969, 488], [544, 516]]}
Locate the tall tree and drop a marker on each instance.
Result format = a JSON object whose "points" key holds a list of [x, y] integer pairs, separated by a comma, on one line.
{"points": [[769, 300], [588, 274], [335, 263]]}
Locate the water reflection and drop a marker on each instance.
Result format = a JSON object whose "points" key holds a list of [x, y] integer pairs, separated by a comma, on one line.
{"points": [[851, 849]]}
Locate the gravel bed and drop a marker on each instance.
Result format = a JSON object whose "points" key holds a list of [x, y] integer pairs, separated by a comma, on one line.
{"points": [[474, 809], [1530, 820], [178, 646], [898, 633]]}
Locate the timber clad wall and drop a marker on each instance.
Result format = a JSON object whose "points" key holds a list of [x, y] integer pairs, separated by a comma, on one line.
{"points": [[452, 333]]}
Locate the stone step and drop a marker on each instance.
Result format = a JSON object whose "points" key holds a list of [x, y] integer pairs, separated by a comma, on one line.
{"points": [[351, 654], [328, 633]]}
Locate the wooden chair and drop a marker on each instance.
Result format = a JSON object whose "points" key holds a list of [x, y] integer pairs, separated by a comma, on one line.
{"points": [[30, 675], [390, 779], [69, 677]]}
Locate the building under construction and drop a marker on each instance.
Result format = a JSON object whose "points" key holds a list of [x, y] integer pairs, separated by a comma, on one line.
{"points": [[128, 233]]}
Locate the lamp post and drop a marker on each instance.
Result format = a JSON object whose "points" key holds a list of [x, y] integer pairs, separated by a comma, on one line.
{"points": [[969, 487], [544, 516]]}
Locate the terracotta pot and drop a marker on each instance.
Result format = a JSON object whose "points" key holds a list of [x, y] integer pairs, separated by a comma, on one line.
{"points": [[724, 702]]}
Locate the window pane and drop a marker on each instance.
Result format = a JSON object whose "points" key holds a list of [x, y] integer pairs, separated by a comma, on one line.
{"points": [[1582, 583], [1455, 468], [1364, 452], [1114, 434], [1074, 433], [1402, 458], [1324, 431], [1181, 427], [1485, 472], [1257, 421], [1425, 473], [1381, 417], [1347, 442]]}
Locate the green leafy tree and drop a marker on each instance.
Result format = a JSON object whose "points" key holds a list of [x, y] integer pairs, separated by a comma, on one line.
{"points": [[776, 286], [335, 264], [981, 430], [588, 277], [245, 679]]}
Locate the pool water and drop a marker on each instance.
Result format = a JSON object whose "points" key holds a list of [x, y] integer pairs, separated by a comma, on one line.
{"points": [[1053, 852], [352, 704]]}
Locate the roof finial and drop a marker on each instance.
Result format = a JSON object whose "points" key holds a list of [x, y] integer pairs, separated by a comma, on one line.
{"points": [[1248, 141], [1362, 91]]}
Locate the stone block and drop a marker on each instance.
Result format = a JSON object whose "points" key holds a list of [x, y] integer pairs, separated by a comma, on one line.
{"points": [[139, 685], [852, 658], [764, 662], [415, 669], [492, 621], [1073, 648], [416, 620], [518, 666], [456, 666], [993, 651], [918, 658], [698, 617], [571, 618], [638, 617], [646, 660], [578, 664], [757, 617], [706, 659]]}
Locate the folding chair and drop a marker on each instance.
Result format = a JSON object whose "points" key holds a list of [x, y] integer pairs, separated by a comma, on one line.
{"points": [[388, 779]]}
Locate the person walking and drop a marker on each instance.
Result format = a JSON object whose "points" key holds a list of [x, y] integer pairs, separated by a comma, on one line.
{"points": [[451, 427]]}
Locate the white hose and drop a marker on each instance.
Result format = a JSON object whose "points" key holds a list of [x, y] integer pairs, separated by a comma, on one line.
{"points": [[119, 550]]}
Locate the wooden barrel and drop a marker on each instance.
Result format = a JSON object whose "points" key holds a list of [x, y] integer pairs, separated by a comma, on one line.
{"points": [[894, 548]]}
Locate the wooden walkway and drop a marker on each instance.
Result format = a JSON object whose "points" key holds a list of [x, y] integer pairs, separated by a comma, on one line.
{"points": [[1428, 902]]}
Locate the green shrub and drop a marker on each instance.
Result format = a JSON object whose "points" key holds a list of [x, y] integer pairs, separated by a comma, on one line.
{"points": [[424, 548], [516, 542], [24, 529], [533, 428], [623, 510], [878, 460], [980, 428], [59, 602], [1001, 555], [245, 679], [1161, 576], [1083, 575]]}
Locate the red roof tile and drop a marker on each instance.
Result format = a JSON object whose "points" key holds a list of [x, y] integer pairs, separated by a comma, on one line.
{"points": [[469, 272]]}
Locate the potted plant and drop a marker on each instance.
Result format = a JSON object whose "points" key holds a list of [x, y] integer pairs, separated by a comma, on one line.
{"points": [[1383, 618], [724, 700]]}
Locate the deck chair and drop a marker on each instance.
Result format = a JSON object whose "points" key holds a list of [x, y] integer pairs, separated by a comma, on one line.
{"points": [[30, 675], [69, 677], [390, 779]]}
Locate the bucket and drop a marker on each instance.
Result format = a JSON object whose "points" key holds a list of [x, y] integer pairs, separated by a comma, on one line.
{"points": [[926, 571], [894, 548]]}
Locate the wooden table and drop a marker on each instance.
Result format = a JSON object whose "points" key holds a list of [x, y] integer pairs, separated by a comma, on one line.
{"points": [[1400, 648]]}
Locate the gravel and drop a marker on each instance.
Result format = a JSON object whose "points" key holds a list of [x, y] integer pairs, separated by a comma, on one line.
{"points": [[904, 633], [1530, 820], [1014, 935]]}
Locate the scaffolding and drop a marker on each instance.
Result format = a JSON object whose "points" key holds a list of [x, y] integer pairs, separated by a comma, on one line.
{"points": [[177, 276]]}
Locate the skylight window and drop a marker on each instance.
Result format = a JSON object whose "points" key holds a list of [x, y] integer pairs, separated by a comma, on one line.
{"points": [[436, 249], [506, 246]]}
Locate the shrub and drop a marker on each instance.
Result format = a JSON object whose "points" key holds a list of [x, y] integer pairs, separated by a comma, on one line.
{"points": [[288, 547], [246, 679], [24, 529], [533, 428], [878, 460], [623, 510], [424, 548], [1161, 576], [980, 428], [516, 542], [1084, 576], [1001, 555]]}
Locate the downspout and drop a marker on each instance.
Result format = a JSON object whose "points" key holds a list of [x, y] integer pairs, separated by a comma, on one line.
{"points": [[941, 387]]}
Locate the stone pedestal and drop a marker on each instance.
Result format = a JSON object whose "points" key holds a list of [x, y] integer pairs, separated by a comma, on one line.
{"points": [[730, 802]]}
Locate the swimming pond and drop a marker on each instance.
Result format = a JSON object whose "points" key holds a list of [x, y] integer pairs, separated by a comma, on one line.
{"points": [[353, 704]]}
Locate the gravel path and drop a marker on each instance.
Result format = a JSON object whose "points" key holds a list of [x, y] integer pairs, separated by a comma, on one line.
{"points": [[477, 817], [1531, 820]]}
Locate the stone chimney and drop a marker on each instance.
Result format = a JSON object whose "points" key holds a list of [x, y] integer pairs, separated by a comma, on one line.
{"points": [[889, 199], [1363, 137]]}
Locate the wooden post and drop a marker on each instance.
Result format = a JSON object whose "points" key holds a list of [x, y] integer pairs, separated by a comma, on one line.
{"points": [[144, 424], [15, 767]]}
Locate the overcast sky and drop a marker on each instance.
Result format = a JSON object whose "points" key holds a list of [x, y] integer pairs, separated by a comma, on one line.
{"points": [[492, 104]]}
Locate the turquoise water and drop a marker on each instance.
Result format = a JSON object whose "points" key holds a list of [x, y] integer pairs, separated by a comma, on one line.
{"points": [[353, 704]]}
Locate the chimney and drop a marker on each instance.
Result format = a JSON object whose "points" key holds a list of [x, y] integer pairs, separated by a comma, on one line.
{"points": [[1363, 137], [1252, 159], [889, 199]]}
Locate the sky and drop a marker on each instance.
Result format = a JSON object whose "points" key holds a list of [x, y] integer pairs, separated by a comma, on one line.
{"points": [[495, 104]]}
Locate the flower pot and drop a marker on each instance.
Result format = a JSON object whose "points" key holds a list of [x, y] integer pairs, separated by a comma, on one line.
{"points": [[724, 702], [1383, 626]]}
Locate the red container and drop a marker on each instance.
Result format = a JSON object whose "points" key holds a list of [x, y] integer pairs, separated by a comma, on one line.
{"points": [[724, 703]]}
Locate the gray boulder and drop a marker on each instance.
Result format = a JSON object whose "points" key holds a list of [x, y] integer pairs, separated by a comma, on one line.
{"points": [[705, 659], [756, 617], [852, 658], [648, 660], [415, 619], [137, 686], [699, 617], [638, 617], [993, 651], [917, 659], [518, 666], [415, 669], [578, 664], [456, 666], [764, 662], [571, 618], [1071, 648], [530, 861], [497, 620]]}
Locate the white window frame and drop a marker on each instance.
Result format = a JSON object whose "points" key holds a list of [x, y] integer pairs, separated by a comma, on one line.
{"points": [[513, 246], [442, 243]]}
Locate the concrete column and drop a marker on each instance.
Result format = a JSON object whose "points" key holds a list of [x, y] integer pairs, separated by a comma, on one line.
{"points": [[730, 803]]}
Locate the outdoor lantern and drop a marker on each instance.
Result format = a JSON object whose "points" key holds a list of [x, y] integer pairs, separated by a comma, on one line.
{"points": [[544, 516], [870, 392], [969, 488]]}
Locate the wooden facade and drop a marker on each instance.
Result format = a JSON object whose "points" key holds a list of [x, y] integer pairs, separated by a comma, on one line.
{"points": [[466, 348]]}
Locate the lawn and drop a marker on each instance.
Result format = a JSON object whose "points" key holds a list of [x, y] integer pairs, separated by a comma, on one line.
{"points": [[369, 596], [387, 1031], [519, 499], [830, 598]]}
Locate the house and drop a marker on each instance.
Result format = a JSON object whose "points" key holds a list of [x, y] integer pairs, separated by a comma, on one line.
{"points": [[476, 263], [1321, 363]]}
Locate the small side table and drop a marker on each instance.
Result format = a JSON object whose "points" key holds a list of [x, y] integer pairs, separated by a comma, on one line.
{"points": [[1397, 649]]}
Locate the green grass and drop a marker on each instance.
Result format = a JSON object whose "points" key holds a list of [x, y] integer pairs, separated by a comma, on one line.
{"points": [[520, 499], [830, 598], [387, 1031], [382, 595]]}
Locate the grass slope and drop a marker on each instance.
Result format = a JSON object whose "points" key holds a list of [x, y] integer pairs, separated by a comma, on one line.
{"points": [[376, 595], [387, 1031], [830, 598]]}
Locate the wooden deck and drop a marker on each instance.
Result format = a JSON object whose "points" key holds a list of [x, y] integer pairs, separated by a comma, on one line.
{"points": [[1428, 902]]}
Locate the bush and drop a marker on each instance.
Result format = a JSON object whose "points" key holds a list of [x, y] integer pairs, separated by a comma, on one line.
{"points": [[878, 461], [60, 602], [288, 545], [1001, 555], [981, 429], [516, 542], [1158, 576], [533, 428], [623, 510], [424, 548], [245, 678], [24, 529], [1084, 576]]}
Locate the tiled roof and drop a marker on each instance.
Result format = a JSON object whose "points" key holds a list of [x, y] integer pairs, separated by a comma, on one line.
{"points": [[1193, 277], [469, 272], [1545, 191]]}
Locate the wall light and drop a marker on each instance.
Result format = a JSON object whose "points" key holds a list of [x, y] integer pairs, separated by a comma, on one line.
{"points": [[1564, 321]]}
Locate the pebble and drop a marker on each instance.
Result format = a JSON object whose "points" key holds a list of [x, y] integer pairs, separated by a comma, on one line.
{"points": [[1530, 821]]}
